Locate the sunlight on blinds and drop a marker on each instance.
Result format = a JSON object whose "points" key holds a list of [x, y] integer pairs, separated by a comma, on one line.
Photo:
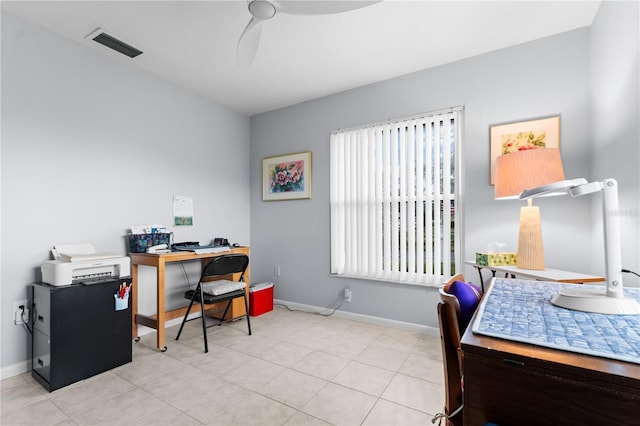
{"points": [[393, 199]]}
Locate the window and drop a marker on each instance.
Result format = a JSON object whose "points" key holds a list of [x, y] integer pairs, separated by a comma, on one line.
{"points": [[394, 199]]}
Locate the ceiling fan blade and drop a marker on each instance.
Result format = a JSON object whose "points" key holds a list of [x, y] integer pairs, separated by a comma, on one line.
{"points": [[248, 42], [320, 7]]}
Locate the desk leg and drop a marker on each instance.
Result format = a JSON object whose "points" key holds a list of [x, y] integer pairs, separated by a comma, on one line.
{"points": [[160, 306], [479, 269], [134, 302]]}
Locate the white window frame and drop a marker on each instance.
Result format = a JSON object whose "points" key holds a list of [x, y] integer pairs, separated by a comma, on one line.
{"points": [[366, 206]]}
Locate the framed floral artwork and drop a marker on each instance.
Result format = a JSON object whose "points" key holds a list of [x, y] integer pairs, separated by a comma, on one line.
{"points": [[523, 135], [286, 177]]}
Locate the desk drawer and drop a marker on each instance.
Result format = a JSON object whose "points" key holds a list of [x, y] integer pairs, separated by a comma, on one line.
{"points": [[42, 309], [41, 360], [514, 390]]}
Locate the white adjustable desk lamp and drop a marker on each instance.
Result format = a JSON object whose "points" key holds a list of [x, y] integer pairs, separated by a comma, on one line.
{"points": [[612, 301]]}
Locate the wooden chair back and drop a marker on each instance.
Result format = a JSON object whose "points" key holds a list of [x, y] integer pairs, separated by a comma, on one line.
{"points": [[448, 314]]}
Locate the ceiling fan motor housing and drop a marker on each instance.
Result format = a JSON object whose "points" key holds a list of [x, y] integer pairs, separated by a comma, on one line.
{"points": [[262, 9]]}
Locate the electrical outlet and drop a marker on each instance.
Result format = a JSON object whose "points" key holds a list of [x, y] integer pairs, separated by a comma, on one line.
{"points": [[276, 270], [20, 311], [347, 295]]}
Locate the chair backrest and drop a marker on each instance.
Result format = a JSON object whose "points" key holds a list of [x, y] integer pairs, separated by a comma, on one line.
{"points": [[226, 264], [448, 314], [451, 300]]}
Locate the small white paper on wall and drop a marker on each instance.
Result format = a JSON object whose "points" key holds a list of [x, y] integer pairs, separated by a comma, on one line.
{"points": [[182, 210]]}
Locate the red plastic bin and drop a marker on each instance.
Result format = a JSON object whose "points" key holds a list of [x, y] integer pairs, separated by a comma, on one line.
{"points": [[260, 299]]}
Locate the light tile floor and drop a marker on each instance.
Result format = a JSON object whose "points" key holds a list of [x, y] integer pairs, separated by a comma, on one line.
{"points": [[296, 369]]}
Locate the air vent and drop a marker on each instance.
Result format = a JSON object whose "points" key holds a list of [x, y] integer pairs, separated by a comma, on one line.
{"points": [[100, 36]]}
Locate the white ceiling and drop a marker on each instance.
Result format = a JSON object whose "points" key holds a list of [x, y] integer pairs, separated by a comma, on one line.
{"points": [[193, 43]]}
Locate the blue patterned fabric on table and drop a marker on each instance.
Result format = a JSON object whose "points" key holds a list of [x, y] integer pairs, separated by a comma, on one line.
{"points": [[521, 310]]}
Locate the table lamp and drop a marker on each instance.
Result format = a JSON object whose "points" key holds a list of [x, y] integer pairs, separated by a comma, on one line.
{"points": [[516, 172], [612, 301]]}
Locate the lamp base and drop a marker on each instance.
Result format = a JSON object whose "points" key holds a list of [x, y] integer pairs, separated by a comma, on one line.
{"points": [[530, 251], [595, 301]]}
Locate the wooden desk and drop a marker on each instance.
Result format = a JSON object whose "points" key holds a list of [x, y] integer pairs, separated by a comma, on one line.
{"points": [[159, 261], [511, 383], [547, 274]]}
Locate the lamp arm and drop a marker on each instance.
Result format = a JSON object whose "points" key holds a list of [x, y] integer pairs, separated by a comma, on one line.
{"points": [[612, 250], [586, 188], [611, 228], [610, 219]]}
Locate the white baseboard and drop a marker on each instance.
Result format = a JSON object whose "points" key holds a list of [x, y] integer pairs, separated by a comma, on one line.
{"points": [[417, 328], [142, 330], [14, 369], [23, 366]]}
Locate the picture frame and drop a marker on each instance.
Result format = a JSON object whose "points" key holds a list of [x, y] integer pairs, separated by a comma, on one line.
{"points": [[516, 136], [286, 177]]}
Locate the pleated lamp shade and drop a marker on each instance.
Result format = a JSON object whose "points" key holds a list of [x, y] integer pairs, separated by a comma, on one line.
{"points": [[522, 170], [528, 169]]}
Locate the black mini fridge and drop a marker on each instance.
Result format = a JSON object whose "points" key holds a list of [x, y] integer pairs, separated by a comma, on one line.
{"points": [[79, 330]]}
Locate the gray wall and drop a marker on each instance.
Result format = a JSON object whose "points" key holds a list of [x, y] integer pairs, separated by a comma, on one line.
{"points": [[81, 133], [90, 146], [615, 124], [551, 76]]}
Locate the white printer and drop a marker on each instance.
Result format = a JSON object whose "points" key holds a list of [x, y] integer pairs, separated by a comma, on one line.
{"points": [[81, 262]]}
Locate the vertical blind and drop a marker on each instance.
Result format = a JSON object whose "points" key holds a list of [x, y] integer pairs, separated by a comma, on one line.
{"points": [[393, 198]]}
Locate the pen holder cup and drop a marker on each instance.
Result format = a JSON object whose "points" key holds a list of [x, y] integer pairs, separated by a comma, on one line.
{"points": [[121, 304]]}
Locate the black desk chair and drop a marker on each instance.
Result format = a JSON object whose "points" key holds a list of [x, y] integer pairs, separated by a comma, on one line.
{"points": [[209, 291]]}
